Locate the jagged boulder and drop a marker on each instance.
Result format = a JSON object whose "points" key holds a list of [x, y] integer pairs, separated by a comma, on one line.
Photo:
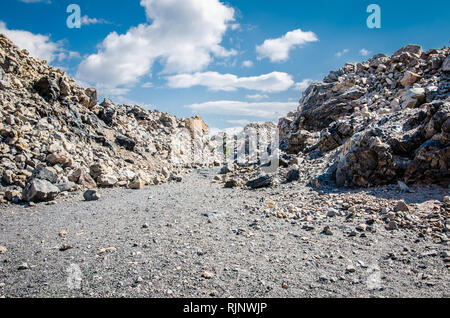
{"points": [[38, 190]]}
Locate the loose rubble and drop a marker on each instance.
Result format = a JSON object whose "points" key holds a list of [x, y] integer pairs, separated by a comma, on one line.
{"points": [[55, 137]]}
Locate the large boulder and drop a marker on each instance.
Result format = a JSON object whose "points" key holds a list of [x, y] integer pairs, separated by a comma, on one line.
{"points": [[38, 190]]}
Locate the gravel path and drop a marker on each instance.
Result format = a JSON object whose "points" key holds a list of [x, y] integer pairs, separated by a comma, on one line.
{"points": [[158, 242]]}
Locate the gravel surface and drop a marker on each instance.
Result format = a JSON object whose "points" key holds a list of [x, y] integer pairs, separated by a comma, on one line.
{"points": [[197, 239]]}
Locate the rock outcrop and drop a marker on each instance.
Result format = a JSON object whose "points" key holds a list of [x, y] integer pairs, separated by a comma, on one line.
{"points": [[386, 120]]}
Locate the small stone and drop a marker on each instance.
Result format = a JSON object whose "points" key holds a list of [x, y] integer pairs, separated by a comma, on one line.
{"points": [[226, 169], [106, 250], [91, 195], [331, 213], [208, 275], [137, 184], [65, 247], [350, 269], [2, 249], [327, 230], [23, 266], [361, 227], [392, 226], [401, 206]]}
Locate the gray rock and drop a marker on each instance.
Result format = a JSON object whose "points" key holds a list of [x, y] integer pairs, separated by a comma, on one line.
{"points": [[38, 190], [227, 169], [46, 173], [91, 195], [446, 64], [261, 182], [48, 88], [66, 186]]}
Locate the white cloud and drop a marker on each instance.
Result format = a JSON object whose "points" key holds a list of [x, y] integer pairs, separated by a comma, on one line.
{"points": [[256, 96], [277, 50], [38, 45], [303, 85], [184, 35], [272, 82], [341, 53], [85, 20], [241, 122], [247, 64], [147, 85], [364, 52], [267, 110]]}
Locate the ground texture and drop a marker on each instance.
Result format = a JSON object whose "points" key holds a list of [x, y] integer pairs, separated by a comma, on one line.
{"points": [[197, 239]]}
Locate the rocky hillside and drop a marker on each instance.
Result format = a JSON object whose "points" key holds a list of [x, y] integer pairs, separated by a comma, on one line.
{"points": [[377, 122], [56, 138]]}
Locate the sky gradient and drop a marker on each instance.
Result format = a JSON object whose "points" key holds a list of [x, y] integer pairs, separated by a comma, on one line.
{"points": [[231, 62]]}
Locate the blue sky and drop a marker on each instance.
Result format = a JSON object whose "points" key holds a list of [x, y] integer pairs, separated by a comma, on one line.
{"points": [[231, 62]]}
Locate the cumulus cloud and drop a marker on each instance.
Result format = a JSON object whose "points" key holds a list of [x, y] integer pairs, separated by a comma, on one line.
{"points": [[272, 82], [267, 110], [184, 36], [38, 45], [277, 50]]}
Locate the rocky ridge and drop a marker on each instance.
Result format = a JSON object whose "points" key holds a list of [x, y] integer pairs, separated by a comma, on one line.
{"points": [[377, 122], [56, 138]]}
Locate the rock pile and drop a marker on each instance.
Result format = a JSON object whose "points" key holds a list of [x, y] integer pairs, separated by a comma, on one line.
{"points": [[55, 137], [380, 121]]}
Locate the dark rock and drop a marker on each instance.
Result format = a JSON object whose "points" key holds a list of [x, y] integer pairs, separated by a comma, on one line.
{"points": [[48, 88], [91, 195], [126, 142], [293, 175], [231, 184], [261, 182]]}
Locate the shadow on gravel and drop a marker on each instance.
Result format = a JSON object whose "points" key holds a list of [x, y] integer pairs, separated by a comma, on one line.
{"points": [[325, 184]]}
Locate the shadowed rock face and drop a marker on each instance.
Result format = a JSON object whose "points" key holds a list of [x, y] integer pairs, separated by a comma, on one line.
{"points": [[388, 118]]}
